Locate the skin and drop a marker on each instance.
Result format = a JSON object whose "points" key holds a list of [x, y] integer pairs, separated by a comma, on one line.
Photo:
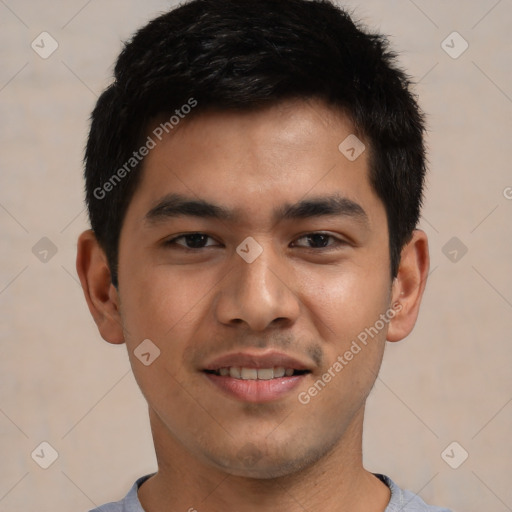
{"points": [[215, 452]]}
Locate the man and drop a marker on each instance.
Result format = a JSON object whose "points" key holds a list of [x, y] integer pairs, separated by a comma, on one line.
{"points": [[254, 180]]}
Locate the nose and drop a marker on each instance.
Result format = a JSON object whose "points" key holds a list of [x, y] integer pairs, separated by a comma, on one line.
{"points": [[260, 294]]}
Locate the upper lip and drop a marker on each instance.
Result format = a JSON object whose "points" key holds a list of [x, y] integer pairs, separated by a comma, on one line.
{"points": [[269, 359]]}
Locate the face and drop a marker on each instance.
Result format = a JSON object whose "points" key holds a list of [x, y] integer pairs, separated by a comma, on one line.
{"points": [[253, 246]]}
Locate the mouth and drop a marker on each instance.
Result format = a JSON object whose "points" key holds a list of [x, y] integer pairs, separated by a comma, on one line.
{"points": [[256, 377], [246, 373]]}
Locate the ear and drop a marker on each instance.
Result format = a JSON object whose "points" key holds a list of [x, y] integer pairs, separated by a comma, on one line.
{"points": [[408, 286], [100, 294]]}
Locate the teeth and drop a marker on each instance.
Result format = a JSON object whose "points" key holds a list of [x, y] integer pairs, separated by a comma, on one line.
{"points": [[249, 373], [255, 373], [279, 371], [234, 372], [266, 373]]}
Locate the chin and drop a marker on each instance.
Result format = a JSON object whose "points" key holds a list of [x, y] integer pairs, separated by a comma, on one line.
{"points": [[253, 462]]}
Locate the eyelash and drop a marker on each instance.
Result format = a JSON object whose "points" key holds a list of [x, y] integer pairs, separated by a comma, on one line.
{"points": [[339, 242]]}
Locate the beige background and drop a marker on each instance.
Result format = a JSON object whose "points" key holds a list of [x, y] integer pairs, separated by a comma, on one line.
{"points": [[449, 381]]}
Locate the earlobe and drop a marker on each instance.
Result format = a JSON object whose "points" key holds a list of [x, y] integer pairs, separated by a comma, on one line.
{"points": [[409, 285], [101, 296]]}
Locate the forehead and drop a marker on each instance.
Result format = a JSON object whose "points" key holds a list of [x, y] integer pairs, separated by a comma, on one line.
{"points": [[257, 161]]}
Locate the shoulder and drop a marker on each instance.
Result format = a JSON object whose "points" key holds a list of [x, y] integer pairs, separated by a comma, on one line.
{"points": [[130, 503], [406, 501]]}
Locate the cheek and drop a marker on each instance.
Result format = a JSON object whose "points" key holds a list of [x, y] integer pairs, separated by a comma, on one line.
{"points": [[160, 304], [347, 304], [163, 306], [345, 299]]}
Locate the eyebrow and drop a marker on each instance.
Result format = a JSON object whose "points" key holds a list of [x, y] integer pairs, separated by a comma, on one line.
{"points": [[177, 205]]}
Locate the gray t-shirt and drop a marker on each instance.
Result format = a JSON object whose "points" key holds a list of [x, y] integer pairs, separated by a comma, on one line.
{"points": [[401, 501]]}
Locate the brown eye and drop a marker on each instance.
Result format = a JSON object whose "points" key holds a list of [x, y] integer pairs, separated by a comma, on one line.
{"points": [[320, 241], [191, 241]]}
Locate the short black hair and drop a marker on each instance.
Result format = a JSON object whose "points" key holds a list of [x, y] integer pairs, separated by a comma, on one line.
{"points": [[243, 55]]}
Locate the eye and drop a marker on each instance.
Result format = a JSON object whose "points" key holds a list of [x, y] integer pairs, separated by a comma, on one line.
{"points": [[191, 241], [320, 241]]}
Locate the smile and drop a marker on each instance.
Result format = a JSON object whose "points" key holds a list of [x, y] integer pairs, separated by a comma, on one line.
{"points": [[245, 373]]}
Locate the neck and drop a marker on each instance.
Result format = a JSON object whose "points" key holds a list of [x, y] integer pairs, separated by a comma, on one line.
{"points": [[336, 482]]}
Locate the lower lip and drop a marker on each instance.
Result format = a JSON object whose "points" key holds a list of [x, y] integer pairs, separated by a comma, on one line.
{"points": [[256, 390]]}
